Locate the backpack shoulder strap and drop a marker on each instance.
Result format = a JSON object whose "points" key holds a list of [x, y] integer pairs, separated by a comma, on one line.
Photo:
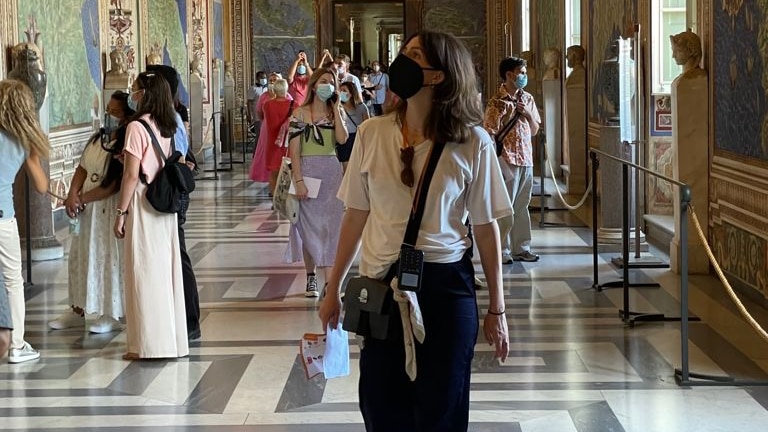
{"points": [[153, 138]]}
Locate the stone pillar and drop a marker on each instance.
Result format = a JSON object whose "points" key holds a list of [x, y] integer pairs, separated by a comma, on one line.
{"points": [[195, 112], [576, 124], [553, 109], [690, 141]]}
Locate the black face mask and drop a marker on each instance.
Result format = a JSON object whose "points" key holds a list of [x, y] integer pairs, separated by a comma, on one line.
{"points": [[406, 77]]}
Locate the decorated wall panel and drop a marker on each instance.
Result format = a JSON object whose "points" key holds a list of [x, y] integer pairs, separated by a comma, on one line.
{"points": [[218, 29], [279, 31], [70, 40], [741, 72], [550, 25], [166, 31], [467, 23], [608, 19], [123, 34]]}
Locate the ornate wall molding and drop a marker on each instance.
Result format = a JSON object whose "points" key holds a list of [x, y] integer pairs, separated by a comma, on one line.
{"points": [[240, 53], [8, 33]]}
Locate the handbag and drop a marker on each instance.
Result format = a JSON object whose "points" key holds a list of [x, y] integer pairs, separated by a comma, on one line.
{"points": [[285, 204], [368, 303], [172, 181]]}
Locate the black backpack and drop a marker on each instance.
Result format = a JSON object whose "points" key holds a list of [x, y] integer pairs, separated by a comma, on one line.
{"points": [[173, 180]]}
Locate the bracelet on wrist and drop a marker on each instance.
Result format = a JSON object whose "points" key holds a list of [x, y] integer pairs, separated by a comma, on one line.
{"points": [[299, 181], [497, 313]]}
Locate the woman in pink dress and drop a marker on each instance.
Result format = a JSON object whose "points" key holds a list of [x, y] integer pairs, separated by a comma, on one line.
{"points": [[259, 171], [276, 112]]}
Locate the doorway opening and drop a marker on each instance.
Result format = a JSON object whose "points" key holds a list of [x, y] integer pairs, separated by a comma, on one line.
{"points": [[368, 31]]}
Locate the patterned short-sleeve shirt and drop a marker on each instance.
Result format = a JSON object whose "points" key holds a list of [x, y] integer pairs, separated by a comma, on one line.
{"points": [[518, 149]]}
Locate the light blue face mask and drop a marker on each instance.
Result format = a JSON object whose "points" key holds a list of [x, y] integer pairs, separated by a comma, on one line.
{"points": [[301, 70], [263, 82], [521, 81], [344, 97], [133, 104], [324, 91]]}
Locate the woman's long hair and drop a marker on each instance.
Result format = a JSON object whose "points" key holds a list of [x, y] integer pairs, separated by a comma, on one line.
{"points": [[316, 75], [114, 174], [18, 117], [356, 98], [456, 103], [157, 102]]}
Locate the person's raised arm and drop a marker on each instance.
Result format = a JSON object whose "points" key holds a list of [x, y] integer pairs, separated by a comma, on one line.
{"points": [[292, 70], [352, 225]]}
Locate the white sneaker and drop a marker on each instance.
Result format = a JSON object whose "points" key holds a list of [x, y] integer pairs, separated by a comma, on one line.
{"points": [[67, 320], [23, 354], [104, 324]]}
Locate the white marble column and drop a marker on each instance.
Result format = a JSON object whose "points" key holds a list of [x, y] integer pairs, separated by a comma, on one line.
{"points": [[553, 106]]}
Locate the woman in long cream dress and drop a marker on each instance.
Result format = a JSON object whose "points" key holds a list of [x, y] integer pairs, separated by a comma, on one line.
{"points": [[154, 289]]}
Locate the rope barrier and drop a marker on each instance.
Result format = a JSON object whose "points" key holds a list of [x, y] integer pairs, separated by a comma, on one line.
{"points": [[557, 188], [752, 322]]}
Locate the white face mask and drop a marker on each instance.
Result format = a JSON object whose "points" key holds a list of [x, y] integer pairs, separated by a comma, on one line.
{"points": [[376, 68]]}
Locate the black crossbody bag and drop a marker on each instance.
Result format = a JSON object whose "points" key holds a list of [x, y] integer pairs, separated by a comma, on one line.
{"points": [[368, 302]]}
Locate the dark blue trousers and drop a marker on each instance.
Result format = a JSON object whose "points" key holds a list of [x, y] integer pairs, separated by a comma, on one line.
{"points": [[438, 401]]}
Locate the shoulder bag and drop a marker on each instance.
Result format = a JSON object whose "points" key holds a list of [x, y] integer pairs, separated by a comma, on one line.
{"points": [[368, 303]]}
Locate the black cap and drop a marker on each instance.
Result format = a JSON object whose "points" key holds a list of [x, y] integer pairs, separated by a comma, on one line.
{"points": [[170, 75]]}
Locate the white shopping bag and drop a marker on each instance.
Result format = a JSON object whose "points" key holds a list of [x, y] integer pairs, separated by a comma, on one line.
{"points": [[336, 360]]}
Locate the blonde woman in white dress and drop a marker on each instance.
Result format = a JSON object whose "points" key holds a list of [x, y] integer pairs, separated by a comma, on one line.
{"points": [[95, 255]]}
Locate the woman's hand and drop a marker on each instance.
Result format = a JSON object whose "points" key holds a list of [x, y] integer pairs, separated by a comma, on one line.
{"points": [[330, 308], [73, 205], [301, 190], [497, 333], [120, 227]]}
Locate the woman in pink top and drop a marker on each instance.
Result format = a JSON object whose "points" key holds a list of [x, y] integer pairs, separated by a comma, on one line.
{"points": [[276, 112], [259, 171], [154, 290]]}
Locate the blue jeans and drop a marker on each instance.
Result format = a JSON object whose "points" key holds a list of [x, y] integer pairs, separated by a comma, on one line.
{"points": [[439, 398]]}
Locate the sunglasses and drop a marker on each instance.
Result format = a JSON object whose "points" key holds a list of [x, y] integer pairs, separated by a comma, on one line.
{"points": [[406, 175]]}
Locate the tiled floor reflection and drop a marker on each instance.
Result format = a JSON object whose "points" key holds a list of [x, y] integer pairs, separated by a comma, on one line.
{"points": [[573, 366]]}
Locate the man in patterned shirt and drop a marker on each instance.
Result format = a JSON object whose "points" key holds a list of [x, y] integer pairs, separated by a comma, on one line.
{"points": [[516, 158]]}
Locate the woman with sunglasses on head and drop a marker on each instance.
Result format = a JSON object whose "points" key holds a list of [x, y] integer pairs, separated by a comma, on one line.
{"points": [[22, 143], [154, 292], [317, 126], [95, 256], [419, 380], [356, 113]]}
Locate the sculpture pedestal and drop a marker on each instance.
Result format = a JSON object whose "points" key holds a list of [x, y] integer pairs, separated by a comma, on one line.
{"points": [[611, 192], [45, 246], [553, 104], [576, 126], [690, 137]]}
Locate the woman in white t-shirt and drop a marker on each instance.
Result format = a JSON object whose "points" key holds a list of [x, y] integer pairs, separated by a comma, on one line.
{"points": [[435, 80]]}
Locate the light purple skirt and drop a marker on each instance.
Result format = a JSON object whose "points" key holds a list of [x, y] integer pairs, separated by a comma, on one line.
{"points": [[319, 218]]}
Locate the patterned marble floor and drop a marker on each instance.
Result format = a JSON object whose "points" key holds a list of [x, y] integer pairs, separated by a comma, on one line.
{"points": [[573, 366]]}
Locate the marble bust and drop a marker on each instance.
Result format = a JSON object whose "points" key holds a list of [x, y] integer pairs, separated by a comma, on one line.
{"points": [[117, 77], [28, 68], [155, 56], [552, 62], [196, 69], [574, 56], [686, 50]]}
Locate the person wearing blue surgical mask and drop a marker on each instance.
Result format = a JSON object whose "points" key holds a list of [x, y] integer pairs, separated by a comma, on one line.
{"points": [[356, 112], [254, 93], [298, 78], [514, 106], [316, 127]]}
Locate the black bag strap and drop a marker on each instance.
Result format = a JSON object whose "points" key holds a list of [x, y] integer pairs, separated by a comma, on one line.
{"points": [[507, 128], [156, 144], [420, 200]]}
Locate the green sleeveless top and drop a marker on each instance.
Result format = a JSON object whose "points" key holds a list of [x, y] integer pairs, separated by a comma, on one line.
{"points": [[324, 145]]}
